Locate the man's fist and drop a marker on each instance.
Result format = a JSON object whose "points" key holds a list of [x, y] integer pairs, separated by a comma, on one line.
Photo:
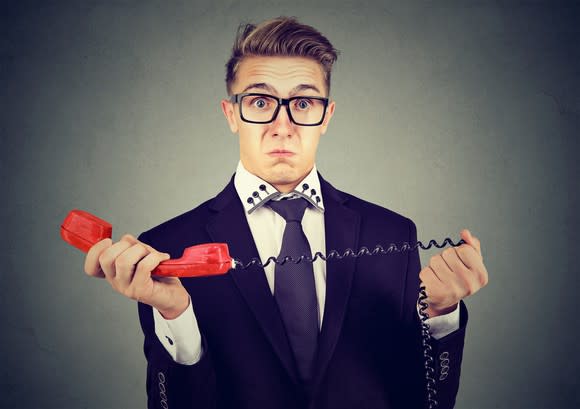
{"points": [[455, 273], [127, 266]]}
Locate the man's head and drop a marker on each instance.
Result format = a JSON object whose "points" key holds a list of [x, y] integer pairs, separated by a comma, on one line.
{"points": [[283, 58]]}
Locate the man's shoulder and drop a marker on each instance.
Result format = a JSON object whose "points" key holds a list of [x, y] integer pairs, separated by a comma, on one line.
{"points": [[198, 213], [198, 216], [375, 213], [181, 230]]}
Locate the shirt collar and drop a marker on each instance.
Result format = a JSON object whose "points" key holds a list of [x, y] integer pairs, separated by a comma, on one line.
{"points": [[248, 186]]}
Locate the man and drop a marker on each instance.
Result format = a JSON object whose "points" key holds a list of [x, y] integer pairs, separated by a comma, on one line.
{"points": [[241, 340]]}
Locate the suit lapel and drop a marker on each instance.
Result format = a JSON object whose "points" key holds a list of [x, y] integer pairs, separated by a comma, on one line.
{"points": [[229, 225], [341, 233]]}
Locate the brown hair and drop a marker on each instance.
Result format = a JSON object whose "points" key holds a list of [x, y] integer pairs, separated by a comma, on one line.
{"points": [[280, 36]]}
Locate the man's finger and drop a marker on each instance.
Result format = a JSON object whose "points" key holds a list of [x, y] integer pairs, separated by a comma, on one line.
{"points": [[142, 277], [107, 258], [92, 266], [469, 282], [126, 262], [468, 256], [134, 241], [471, 240], [445, 265]]}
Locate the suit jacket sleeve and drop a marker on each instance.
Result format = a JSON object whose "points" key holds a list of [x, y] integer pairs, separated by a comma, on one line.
{"points": [[447, 352], [170, 384]]}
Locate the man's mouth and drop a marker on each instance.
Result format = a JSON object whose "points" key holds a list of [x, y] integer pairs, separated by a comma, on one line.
{"points": [[280, 152]]}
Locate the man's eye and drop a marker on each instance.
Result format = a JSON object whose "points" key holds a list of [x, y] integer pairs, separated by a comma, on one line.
{"points": [[260, 102], [303, 103]]}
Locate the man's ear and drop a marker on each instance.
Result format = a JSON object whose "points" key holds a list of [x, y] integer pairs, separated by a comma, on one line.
{"points": [[327, 116], [230, 113]]}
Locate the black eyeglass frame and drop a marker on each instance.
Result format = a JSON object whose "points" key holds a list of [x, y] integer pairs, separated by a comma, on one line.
{"points": [[236, 98]]}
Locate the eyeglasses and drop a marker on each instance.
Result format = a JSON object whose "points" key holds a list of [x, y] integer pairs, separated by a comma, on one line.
{"points": [[259, 108]]}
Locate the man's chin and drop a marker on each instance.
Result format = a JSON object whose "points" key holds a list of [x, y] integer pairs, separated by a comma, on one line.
{"points": [[282, 174]]}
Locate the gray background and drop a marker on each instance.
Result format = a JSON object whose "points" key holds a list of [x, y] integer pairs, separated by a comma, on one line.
{"points": [[455, 114]]}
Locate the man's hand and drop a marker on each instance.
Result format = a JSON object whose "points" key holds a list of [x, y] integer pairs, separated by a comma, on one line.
{"points": [[455, 273], [127, 266]]}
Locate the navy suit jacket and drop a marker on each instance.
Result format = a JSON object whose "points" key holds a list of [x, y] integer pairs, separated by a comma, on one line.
{"points": [[369, 353]]}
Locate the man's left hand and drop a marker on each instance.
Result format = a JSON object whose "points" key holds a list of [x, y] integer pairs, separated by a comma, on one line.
{"points": [[453, 274]]}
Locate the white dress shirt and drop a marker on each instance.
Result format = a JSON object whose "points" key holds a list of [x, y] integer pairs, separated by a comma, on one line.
{"points": [[181, 336]]}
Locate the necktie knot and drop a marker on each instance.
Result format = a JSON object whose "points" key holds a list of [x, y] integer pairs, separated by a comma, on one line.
{"points": [[289, 209]]}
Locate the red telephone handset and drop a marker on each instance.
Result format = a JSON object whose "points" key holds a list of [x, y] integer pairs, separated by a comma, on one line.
{"points": [[83, 229]]}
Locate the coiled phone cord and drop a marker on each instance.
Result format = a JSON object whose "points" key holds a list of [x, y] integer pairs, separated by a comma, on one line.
{"points": [[378, 250], [82, 230]]}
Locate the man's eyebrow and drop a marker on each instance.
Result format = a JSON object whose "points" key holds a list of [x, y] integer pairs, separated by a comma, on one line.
{"points": [[260, 85], [304, 87], [271, 89]]}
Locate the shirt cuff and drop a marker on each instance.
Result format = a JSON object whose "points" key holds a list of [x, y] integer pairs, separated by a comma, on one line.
{"points": [[443, 325], [180, 336]]}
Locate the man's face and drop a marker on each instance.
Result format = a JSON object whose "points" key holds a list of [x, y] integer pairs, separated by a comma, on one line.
{"points": [[282, 77]]}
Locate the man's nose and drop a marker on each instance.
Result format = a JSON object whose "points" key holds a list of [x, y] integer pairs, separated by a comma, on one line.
{"points": [[282, 125]]}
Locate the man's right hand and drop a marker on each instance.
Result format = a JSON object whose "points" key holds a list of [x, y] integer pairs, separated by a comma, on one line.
{"points": [[127, 266]]}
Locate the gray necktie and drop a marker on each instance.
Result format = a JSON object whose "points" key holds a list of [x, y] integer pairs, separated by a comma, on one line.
{"points": [[294, 289]]}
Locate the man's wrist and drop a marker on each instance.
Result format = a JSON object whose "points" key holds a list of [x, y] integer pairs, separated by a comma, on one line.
{"points": [[435, 312], [177, 310]]}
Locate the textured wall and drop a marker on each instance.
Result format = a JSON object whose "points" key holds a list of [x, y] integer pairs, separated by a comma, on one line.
{"points": [[455, 114]]}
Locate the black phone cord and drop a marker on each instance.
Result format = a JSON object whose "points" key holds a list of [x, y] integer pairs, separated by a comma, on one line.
{"points": [[431, 401]]}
